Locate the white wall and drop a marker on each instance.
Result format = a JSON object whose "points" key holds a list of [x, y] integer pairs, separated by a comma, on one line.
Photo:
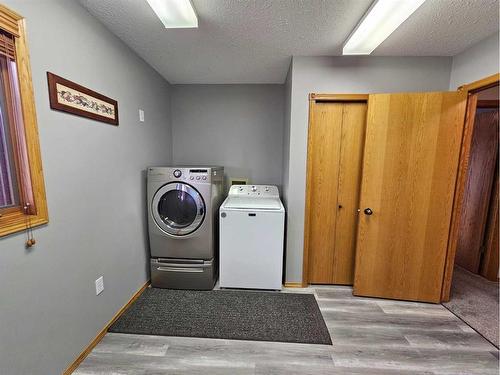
{"points": [[95, 190], [342, 75], [237, 126], [479, 61]]}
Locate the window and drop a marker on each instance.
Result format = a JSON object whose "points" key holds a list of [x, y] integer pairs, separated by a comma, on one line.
{"points": [[22, 192], [8, 183]]}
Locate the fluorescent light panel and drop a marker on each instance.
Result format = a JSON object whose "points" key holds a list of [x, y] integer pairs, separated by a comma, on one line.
{"points": [[383, 17], [175, 14]]}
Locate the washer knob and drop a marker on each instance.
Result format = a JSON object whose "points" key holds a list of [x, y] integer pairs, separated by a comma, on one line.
{"points": [[177, 173]]}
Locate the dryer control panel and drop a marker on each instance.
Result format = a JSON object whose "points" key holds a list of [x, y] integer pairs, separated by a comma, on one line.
{"points": [[195, 175], [264, 191]]}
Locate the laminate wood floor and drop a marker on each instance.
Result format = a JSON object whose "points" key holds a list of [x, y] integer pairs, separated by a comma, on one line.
{"points": [[370, 336]]}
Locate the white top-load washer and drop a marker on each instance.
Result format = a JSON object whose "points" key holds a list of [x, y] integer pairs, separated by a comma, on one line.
{"points": [[252, 221]]}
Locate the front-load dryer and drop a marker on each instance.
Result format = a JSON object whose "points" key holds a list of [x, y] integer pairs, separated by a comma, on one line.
{"points": [[183, 205]]}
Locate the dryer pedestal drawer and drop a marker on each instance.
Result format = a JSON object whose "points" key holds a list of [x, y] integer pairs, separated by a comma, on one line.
{"points": [[179, 275]]}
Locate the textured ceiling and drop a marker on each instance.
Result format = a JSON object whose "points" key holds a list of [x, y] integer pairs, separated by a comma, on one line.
{"points": [[251, 41], [443, 28]]}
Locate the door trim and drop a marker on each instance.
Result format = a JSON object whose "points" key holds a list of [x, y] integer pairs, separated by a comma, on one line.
{"points": [[481, 84], [463, 164], [338, 97], [313, 99]]}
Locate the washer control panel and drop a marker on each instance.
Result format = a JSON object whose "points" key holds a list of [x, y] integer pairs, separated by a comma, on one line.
{"points": [[265, 191]]}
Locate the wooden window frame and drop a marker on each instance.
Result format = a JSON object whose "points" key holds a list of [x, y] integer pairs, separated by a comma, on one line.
{"points": [[13, 220]]}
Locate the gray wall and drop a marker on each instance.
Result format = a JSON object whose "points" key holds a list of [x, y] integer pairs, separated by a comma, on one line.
{"points": [[286, 133], [95, 190], [342, 75], [237, 126], [479, 61]]}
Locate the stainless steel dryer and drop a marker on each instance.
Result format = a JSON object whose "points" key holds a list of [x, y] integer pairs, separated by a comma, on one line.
{"points": [[183, 204]]}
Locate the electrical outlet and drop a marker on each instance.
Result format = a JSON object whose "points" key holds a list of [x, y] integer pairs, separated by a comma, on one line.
{"points": [[141, 115], [99, 285]]}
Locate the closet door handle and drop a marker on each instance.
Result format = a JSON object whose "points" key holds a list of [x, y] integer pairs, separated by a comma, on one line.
{"points": [[368, 211], [340, 206]]}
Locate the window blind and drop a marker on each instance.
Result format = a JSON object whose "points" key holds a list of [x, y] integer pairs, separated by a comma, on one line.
{"points": [[10, 21], [7, 196], [7, 47], [13, 117]]}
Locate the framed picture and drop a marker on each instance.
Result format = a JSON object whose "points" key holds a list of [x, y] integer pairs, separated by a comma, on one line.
{"points": [[70, 97]]}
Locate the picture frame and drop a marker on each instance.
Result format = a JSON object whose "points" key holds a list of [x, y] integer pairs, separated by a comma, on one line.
{"points": [[70, 97]]}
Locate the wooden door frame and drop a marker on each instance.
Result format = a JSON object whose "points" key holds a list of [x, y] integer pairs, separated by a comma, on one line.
{"points": [[313, 99], [463, 164]]}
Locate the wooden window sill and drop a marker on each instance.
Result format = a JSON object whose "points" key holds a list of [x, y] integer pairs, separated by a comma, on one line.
{"points": [[14, 220]]}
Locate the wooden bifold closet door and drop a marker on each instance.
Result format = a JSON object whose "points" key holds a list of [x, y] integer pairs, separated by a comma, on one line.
{"points": [[409, 173], [335, 154]]}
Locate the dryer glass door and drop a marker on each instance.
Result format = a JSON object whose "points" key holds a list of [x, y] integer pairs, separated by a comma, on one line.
{"points": [[178, 209]]}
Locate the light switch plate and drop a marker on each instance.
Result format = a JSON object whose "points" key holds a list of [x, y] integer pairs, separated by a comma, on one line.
{"points": [[99, 285], [141, 115]]}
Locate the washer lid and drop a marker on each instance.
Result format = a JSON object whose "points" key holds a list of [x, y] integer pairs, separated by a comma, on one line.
{"points": [[249, 203]]}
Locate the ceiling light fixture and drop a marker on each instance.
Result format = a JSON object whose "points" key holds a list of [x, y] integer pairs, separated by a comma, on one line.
{"points": [[175, 14], [383, 17]]}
